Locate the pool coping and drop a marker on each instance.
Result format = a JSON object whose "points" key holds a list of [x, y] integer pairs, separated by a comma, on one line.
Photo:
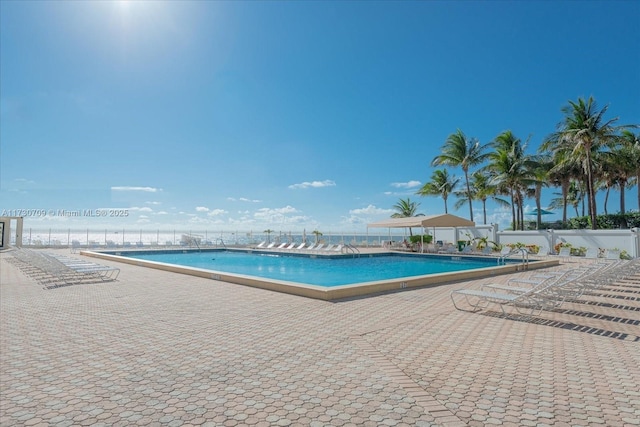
{"points": [[323, 293]]}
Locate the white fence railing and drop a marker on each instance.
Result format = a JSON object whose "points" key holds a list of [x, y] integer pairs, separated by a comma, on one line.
{"points": [[624, 240]]}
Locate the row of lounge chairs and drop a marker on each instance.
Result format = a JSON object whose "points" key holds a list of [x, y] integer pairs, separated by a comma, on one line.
{"points": [[54, 271], [544, 291], [301, 247]]}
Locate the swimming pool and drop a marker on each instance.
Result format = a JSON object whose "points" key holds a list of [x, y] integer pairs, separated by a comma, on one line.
{"points": [[320, 271], [326, 278]]}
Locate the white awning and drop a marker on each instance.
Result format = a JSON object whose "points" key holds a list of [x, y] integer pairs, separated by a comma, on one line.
{"points": [[443, 220]]}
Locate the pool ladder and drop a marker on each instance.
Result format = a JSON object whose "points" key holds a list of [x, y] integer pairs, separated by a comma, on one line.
{"points": [[350, 249], [525, 257]]}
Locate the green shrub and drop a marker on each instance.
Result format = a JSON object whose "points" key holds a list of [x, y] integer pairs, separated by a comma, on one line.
{"points": [[417, 239], [606, 222]]}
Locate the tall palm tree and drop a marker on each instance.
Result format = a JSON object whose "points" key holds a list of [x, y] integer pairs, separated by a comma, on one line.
{"points": [[630, 144], [481, 189], [539, 171], [509, 168], [463, 152], [441, 184], [406, 209], [583, 132]]}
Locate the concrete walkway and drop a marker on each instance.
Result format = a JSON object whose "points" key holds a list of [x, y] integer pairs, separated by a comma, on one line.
{"points": [[157, 348]]}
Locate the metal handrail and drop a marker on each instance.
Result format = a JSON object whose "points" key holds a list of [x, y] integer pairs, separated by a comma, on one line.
{"points": [[525, 257], [351, 249]]}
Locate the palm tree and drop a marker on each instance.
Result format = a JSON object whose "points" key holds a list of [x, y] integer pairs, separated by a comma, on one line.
{"points": [[458, 150], [510, 170], [268, 231], [573, 196], [630, 144], [441, 184], [481, 189], [563, 172], [539, 170], [406, 209], [584, 132]]}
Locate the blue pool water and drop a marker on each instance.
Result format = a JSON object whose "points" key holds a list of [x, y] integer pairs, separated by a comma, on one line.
{"points": [[325, 272]]}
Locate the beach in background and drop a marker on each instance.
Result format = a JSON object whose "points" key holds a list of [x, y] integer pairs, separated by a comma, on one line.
{"points": [[39, 237]]}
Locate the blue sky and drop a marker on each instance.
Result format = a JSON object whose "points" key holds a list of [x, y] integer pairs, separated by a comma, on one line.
{"points": [[285, 115]]}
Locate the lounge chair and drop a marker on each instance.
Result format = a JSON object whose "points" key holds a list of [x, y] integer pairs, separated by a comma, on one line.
{"points": [[468, 250], [549, 293], [565, 253], [543, 251], [612, 254], [563, 284], [487, 250], [506, 250], [270, 245], [302, 245], [527, 303], [291, 246], [337, 248], [449, 249], [88, 267], [261, 245], [592, 253]]}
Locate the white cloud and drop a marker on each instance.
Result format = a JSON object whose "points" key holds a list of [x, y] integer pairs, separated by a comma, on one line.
{"points": [[277, 215], [371, 210], [24, 181], [243, 199], [144, 209], [313, 184], [216, 212], [202, 209], [128, 188], [410, 184]]}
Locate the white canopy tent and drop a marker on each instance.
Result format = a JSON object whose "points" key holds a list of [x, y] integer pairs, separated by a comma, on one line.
{"points": [[427, 221]]}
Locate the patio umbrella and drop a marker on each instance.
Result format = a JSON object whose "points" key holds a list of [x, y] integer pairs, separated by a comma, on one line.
{"points": [[542, 212]]}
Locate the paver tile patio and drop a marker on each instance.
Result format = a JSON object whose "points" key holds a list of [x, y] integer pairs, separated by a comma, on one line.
{"points": [[159, 348]]}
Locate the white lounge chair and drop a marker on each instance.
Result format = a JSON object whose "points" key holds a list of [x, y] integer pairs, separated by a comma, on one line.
{"points": [[505, 250], [592, 253], [487, 250], [527, 303], [612, 254], [543, 251], [565, 253]]}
